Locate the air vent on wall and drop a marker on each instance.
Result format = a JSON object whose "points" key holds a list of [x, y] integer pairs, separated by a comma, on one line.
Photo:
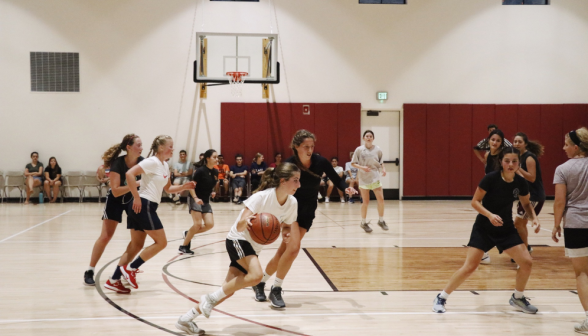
{"points": [[55, 72]]}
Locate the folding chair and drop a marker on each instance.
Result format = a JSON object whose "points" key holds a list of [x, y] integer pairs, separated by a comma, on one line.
{"points": [[14, 179]]}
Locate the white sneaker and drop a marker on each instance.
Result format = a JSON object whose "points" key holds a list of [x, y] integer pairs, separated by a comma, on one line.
{"points": [[343, 200], [326, 200], [485, 259], [206, 305], [189, 327], [176, 197], [320, 196], [582, 328], [439, 304]]}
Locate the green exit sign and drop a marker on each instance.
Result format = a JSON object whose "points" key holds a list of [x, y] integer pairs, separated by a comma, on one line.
{"points": [[382, 95]]}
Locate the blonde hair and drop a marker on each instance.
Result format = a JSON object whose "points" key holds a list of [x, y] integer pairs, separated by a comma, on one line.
{"points": [[114, 151], [297, 140], [158, 141], [273, 176], [257, 156], [582, 134]]}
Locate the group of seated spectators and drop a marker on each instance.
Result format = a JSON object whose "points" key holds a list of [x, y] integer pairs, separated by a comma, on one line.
{"points": [[36, 175]]}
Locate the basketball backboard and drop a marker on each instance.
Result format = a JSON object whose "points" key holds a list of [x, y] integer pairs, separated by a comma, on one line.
{"points": [[219, 53]]}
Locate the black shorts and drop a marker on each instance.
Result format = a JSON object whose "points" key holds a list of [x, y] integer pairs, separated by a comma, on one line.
{"points": [[238, 249], [536, 205], [576, 242], [238, 183], [221, 182], [485, 238], [255, 184], [147, 219], [115, 206], [193, 206]]}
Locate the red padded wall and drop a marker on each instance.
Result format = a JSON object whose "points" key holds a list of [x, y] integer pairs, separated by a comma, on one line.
{"points": [[348, 128], [279, 130], [232, 116], [326, 131], [437, 176], [552, 139], [415, 150], [506, 118], [460, 150], [529, 121], [256, 135], [482, 116]]}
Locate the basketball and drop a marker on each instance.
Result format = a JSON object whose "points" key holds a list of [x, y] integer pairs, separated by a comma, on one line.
{"points": [[265, 229]]}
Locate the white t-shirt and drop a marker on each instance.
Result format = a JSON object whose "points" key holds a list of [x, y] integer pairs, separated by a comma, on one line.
{"points": [[338, 170], [265, 201], [155, 178], [350, 168], [371, 158]]}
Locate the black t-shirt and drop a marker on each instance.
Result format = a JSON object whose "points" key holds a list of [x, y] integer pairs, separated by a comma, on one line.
{"points": [[53, 172], [499, 197], [535, 188], [205, 181], [490, 163], [119, 166], [306, 195]]}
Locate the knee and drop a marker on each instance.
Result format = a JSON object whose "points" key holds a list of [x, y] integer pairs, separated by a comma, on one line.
{"points": [[46, 183], [292, 249], [163, 244], [106, 237], [255, 278], [526, 263], [470, 268]]}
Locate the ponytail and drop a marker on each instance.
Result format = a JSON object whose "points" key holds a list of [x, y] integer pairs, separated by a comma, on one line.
{"points": [[532, 146], [114, 151], [158, 141], [204, 161], [272, 176]]}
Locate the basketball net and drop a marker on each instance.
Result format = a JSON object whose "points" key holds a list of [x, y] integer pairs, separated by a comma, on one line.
{"points": [[236, 81]]}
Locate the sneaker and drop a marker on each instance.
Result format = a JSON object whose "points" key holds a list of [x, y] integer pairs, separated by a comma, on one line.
{"points": [[239, 201], [326, 200], [130, 276], [342, 200], [351, 200], [276, 297], [185, 249], [116, 286], [320, 197], [485, 259], [206, 305], [259, 290], [366, 227], [530, 249], [176, 198], [582, 328], [439, 304], [89, 278], [189, 327], [178, 202], [523, 305], [383, 225]]}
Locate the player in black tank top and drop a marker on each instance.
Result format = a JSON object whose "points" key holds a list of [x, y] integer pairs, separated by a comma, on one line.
{"points": [[531, 171], [116, 197], [496, 142], [312, 167]]}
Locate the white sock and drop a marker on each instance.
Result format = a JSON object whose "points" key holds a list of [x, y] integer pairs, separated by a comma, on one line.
{"points": [[444, 295], [381, 219], [363, 221], [190, 315], [91, 268], [326, 198], [218, 295], [265, 277], [278, 282], [518, 294]]}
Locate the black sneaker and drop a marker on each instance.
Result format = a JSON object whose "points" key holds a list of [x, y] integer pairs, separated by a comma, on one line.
{"points": [[89, 278], [239, 201], [276, 297], [259, 290], [185, 250]]}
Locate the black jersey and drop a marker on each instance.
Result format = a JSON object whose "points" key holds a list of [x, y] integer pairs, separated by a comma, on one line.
{"points": [[535, 188], [307, 194], [119, 166], [500, 196], [205, 181], [490, 163]]}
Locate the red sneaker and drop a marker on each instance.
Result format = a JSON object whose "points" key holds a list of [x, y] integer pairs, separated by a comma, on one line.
{"points": [[130, 276], [117, 286], [138, 271]]}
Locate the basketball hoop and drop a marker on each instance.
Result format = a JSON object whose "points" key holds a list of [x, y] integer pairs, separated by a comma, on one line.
{"points": [[236, 81]]}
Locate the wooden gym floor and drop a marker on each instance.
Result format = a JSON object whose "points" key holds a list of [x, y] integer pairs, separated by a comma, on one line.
{"points": [[344, 281]]}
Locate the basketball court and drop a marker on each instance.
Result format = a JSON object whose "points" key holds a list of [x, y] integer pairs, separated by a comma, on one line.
{"points": [[242, 77]]}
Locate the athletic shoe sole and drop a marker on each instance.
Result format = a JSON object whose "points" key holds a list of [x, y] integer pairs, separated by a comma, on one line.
{"points": [[188, 331], [116, 289], [521, 309], [89, 285]]}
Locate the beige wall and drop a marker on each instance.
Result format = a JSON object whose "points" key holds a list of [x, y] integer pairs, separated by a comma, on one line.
{"points": [[136, 73]]}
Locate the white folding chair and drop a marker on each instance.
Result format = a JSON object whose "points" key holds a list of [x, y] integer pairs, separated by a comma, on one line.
{"points": [[14, 180], [2, 185], [90, 181], [75, 179]]}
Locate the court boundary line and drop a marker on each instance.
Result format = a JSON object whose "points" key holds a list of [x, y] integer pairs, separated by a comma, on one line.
{"points": [[32, 227], [318, 267]]}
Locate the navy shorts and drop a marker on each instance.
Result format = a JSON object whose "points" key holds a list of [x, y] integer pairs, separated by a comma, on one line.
{"points": [[147, 219], [115, 206], [238, 249], [485, 238]]}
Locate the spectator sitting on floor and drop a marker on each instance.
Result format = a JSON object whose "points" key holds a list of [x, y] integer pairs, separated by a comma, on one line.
{"points": [[52, 179], [33, 175]]}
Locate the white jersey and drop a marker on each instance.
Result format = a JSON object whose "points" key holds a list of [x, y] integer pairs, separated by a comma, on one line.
{"points": [[265, 201], [338, 170], [371, 158], [155, 178]]}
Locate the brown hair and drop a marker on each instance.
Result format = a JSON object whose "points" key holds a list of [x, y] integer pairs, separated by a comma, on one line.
{"points": [[532, 146], [273, 176], [257, 156], [158, 141], [114, 151], [582, 134], [297, 140], [502, 153]]}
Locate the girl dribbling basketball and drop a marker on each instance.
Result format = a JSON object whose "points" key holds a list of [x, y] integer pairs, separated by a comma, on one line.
{"points": [[274, 196]]}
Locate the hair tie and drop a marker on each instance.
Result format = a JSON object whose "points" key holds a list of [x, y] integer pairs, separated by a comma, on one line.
{"points": [[574, 137]]}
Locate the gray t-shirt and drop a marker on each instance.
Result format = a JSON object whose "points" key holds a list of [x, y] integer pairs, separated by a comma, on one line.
{"points": [[36, 169], [371, 158], [350, 168], [574, 174], [182, 167]]}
